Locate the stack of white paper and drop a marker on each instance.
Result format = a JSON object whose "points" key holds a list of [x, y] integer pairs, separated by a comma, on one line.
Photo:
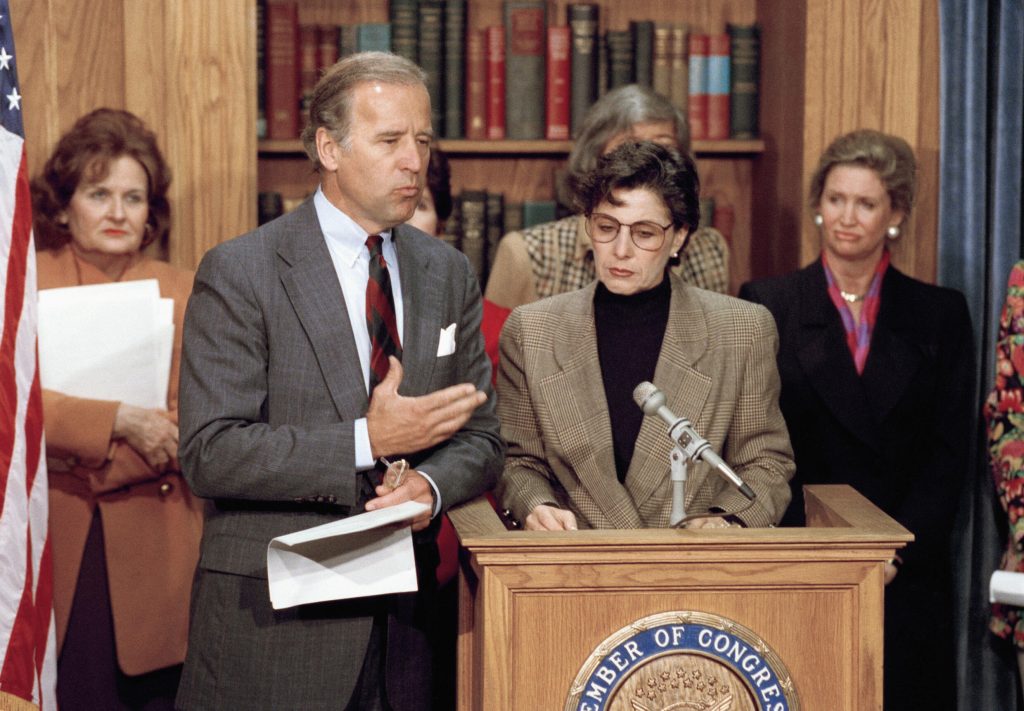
{"points": [[368, 554], [107, 342], [1006, 587]]}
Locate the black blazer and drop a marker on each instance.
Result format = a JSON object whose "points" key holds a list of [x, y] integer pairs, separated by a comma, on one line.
{"points": [[899, 433]]}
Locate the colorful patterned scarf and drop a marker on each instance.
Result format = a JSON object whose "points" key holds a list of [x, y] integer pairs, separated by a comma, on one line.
{"points": [[858, 335]]}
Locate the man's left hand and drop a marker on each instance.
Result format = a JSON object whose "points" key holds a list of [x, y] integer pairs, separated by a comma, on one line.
{"points": [[414, 488]]}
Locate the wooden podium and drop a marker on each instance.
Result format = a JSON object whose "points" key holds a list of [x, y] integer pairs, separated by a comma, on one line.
{"points": [[534, 607]]}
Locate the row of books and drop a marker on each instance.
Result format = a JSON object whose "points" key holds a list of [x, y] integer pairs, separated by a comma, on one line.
{"points": [[520, 80]]}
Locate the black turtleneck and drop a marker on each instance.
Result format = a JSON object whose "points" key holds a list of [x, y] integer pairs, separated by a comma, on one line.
{"points": [[629, 334]]}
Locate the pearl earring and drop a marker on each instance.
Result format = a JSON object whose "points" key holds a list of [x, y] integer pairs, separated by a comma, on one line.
{"points": [[819, 220], [893, 232]]}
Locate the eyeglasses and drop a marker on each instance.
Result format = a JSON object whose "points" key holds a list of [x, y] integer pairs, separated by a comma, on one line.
{"points": [[648, 236]]}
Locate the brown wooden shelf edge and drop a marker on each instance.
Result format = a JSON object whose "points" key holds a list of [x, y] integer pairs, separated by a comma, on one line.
{"points": [[455, 147]]}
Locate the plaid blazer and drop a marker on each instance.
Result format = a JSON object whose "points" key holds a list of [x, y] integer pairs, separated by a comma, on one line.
{"points": [[716, 367]]}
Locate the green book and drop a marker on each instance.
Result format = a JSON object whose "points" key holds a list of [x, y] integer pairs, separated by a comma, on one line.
{"points": [[619, 45], [454, 68], [584, 61], [431, 51], [525, 48], [537, 212], [495, 225], [512, 220], [745, 57], [405, 18], [474, 229], [643, 51]]}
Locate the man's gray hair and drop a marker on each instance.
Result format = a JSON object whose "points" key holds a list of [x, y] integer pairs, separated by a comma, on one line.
{"points": [[331, 105]]}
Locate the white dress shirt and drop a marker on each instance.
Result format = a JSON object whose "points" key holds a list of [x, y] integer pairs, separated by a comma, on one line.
{"points": [[346, 242]]}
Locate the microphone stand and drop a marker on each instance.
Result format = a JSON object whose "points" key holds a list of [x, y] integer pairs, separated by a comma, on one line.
{"points": [[678, 461]]}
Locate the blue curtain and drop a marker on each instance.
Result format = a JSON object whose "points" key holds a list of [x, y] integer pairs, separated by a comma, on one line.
{"points": [[980, 238]]}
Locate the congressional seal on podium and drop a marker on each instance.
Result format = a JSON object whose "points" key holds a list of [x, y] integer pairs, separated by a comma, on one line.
{"points": [[683, 661]]}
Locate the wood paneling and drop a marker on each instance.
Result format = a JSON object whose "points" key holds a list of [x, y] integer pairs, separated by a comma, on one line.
{"points": [[874, 64], [778, 182], [210, 91], [184, 67]]}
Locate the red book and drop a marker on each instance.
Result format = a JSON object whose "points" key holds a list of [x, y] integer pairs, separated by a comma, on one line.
{"points": [[495, 49], [698, 107], [476, 86], [557, 85], [327, 49], [282, 70], [718, 87]]}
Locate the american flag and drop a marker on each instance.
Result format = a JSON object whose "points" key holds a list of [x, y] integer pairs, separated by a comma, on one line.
{"points": [[27, 642]]}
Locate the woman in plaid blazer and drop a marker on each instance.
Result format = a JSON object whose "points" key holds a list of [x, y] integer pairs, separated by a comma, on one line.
{"points": [[581, 453]]}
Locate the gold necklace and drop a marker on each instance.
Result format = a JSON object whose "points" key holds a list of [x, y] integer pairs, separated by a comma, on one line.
{"points": [[851, 298]]}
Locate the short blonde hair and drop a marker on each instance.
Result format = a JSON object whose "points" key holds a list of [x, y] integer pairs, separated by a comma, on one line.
{"points": [[889, 156]]}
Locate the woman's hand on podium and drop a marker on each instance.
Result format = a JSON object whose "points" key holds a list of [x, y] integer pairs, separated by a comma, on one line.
{"points": [[550, 518]]}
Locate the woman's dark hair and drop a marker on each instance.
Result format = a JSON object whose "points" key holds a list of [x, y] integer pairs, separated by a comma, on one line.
{"points": [[85, 153], [664, 171], [439, 182]]}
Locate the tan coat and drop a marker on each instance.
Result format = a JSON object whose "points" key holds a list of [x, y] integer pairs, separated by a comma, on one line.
{"points": [[151, 524], [716, 367]]}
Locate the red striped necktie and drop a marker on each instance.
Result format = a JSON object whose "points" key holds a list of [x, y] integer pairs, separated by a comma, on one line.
{"points": [[380, 314]]}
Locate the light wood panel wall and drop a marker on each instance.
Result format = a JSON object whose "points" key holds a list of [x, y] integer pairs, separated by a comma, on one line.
{"points": [[865, 64], [828, 66], [183, 67]]}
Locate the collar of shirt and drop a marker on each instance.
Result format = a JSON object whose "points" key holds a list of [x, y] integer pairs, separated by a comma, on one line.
{"points": [[345, 238]]}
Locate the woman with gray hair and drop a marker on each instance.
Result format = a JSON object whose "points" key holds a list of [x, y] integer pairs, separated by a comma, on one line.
{"points": [[557, 257], [876, 374]]}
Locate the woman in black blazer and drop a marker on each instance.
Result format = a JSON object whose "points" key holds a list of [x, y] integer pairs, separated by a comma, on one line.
{"points": [[877, 372]]}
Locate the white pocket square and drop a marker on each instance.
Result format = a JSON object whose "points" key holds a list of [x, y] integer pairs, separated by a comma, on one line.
{"points": [[446, 346]]}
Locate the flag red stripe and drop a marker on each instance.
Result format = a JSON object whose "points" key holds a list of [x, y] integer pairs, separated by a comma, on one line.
{"points": [[14, 294], [17, 676]]}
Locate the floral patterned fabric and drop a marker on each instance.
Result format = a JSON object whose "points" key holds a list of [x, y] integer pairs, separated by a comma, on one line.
{"points": [[1004, 412]]}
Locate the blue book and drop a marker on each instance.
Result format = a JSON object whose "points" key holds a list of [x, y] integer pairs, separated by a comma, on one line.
{"points": [[373, 37]]}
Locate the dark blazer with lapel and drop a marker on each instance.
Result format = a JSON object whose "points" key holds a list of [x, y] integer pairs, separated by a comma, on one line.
{"points": [[899, 432], [270, 386], [716, 367]]}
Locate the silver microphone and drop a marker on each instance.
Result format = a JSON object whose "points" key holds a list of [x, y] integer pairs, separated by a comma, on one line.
{"points": [[652, 402]]}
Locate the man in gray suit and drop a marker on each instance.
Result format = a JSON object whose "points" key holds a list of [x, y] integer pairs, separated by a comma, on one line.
{"points": [[279, 431]]}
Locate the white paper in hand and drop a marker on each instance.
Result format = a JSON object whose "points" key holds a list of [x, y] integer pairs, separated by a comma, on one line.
{"points": [[359, 556], [107, 342]]}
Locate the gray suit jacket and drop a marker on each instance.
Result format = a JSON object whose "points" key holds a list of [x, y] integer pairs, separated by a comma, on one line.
{"points": [[270, 387], [716, 367]]}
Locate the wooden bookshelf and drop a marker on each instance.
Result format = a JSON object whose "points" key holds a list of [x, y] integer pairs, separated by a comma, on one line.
{"points": [[530, 170], [826, 68]]}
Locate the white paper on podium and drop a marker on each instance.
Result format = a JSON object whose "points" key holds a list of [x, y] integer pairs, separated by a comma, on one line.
{"points": [[107, 342], [1006, 587], [359, 556]]}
